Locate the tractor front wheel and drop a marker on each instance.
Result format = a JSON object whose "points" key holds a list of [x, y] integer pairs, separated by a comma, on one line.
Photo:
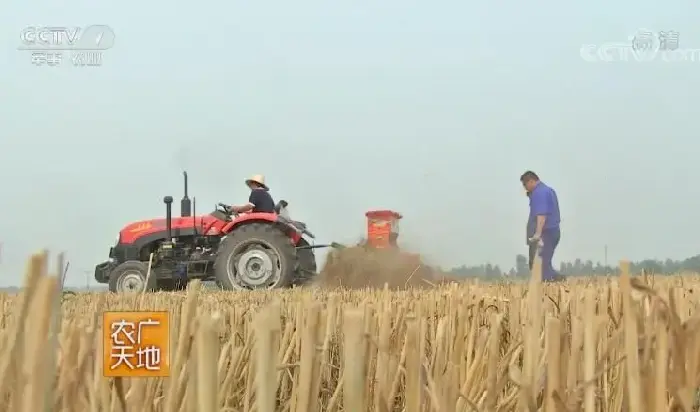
{"points": [[131, 276], [255, 256], [170, 285]]}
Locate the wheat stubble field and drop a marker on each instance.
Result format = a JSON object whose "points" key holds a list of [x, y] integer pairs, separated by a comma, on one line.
{"points": [[627, 344]]}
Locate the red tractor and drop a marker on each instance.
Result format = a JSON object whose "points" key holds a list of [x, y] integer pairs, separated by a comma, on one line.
{"points": [[238, 252]]}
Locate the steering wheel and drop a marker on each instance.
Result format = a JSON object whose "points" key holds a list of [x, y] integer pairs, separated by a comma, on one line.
{"points": [[226, 208]]}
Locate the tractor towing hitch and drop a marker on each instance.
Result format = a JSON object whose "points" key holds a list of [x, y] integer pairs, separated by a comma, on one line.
{"points": [[334, 245]]}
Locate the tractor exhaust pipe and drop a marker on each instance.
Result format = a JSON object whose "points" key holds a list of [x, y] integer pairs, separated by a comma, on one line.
{"points": [[168, 200], [194, 214], [185, 204]]}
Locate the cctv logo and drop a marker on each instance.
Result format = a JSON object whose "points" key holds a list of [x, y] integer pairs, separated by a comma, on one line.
{"points": [[54, 38]]}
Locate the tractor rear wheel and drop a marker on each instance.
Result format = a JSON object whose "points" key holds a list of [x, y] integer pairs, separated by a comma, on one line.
{"points": [[307, 264], [130, 276], [255, 256]]}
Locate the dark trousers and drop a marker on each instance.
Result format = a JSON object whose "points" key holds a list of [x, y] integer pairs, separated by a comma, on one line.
{"points": [[550, 241]]}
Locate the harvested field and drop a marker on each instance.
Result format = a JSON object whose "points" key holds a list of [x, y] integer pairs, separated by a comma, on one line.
{"points": [[592, 344]]}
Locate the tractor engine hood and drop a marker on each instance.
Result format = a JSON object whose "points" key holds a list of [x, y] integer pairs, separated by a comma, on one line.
{"points": [[144, 225], [158, 224], [142, 228]]}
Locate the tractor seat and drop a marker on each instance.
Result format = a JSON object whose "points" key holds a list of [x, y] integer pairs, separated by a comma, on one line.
{"points": [[281, 205], [299, 225]]}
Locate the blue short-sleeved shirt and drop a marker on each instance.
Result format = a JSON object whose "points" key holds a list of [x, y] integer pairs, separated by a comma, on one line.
{"points": [[262, 201], [543, 201]]}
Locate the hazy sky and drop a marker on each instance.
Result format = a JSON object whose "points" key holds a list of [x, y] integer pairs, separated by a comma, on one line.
{"points": [[432, 108]]}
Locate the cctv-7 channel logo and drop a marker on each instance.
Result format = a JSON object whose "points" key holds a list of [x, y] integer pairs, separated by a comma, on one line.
{"points": [[48, 44]]}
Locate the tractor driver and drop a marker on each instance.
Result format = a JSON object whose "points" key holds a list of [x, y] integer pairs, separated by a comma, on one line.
{"points": [[260, 200]]}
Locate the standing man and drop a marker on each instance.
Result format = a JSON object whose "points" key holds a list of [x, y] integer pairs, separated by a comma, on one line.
{"points": [[543, 223]]}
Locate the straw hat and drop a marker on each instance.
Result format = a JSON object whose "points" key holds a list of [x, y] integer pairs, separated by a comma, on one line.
{"points": [[259, 179]]}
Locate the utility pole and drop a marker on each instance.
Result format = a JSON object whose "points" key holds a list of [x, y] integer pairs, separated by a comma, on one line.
{"points": [[87, 280], [606, 256]]}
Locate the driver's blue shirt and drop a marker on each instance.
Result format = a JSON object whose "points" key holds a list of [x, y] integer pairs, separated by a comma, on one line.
{"points": [[543, 202], [262, 201]]}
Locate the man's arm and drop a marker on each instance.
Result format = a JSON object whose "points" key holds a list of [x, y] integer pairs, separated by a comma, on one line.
{"points": [[243, 208], [540, 208], [248, 206], [541, 219]]}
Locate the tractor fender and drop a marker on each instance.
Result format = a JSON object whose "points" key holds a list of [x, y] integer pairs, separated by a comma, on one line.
{"points": [[265, 218]]}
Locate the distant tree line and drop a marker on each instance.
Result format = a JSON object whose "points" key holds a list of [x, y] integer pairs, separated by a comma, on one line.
{"points": [[582, 267]]}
